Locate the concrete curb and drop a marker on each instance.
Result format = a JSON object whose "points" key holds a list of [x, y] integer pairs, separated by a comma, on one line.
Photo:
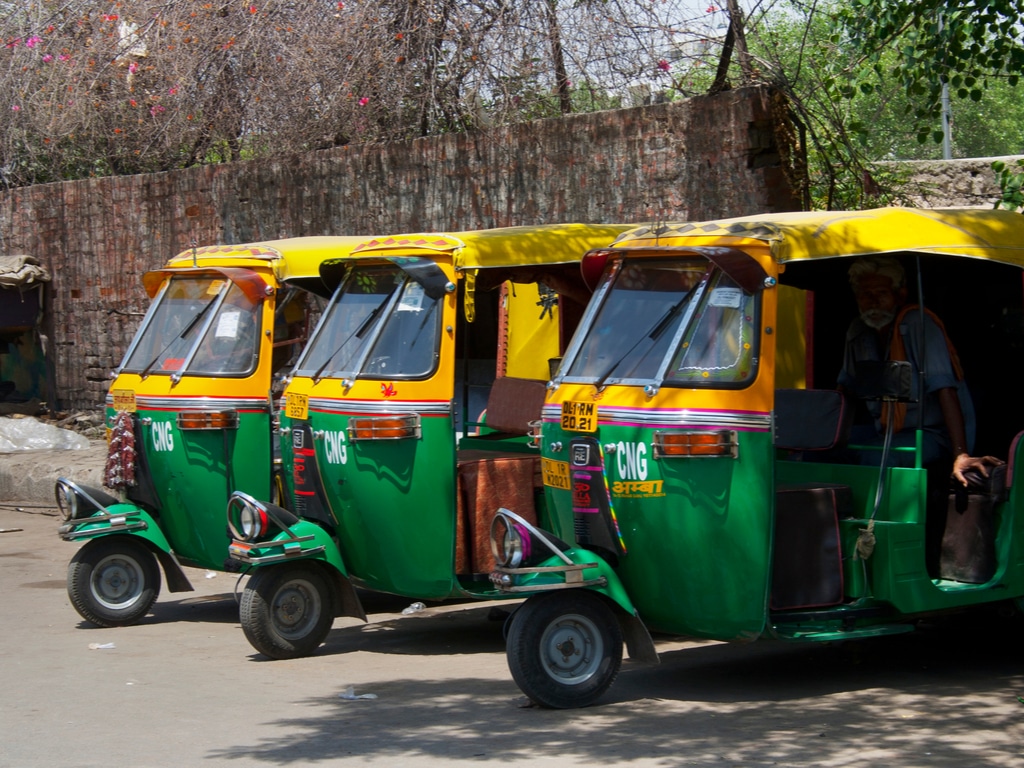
{"points": [[31, 475]]}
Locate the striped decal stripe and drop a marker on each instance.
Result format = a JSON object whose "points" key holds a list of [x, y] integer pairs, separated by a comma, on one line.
{"points": [[671, 417], [143, 402], [422, 407]]}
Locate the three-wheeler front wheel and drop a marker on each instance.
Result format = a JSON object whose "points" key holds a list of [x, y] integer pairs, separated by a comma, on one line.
{"points": [[564, 648], [287, 610], [113, 581]]}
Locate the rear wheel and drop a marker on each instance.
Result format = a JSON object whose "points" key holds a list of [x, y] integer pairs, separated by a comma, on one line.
{"points": [[113, 581], [564, 648], [287, 610]]}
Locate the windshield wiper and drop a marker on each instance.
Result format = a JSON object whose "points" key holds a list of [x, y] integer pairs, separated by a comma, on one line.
{"points": [[654, 334], [358, 333], [185, 332]]}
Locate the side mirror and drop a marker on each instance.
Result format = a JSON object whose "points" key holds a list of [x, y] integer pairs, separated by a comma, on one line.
{"points": [[889, 380]]}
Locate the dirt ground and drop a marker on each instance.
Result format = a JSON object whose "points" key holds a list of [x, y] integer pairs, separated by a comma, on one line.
{"points": [[184, 687]]}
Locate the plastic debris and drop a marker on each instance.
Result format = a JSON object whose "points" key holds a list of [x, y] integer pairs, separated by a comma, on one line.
{"points": [[211, 575], [349, 694], [414, 608], [29, 434], [100, 646]]}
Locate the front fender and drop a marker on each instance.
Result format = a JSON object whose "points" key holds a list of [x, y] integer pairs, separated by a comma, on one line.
{"points": [[588, 571], [303, 540], [118, 518], [127, 519]]}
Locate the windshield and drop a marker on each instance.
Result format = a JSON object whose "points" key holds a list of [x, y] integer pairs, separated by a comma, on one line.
{"points": [[200, 325], [379, 324], [677, 322]]}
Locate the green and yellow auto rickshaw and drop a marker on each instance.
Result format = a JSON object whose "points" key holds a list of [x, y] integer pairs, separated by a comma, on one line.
{"points": [[406, 421], [190, 416], [698, 456]]}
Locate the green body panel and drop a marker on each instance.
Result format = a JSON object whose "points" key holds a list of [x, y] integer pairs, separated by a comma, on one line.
{"points": [[697, 558], [194, 473], [699, 549], [394, 502], [895, 575]]}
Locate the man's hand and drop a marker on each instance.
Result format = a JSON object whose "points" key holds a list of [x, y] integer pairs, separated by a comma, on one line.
{"points": [[964, 462]]}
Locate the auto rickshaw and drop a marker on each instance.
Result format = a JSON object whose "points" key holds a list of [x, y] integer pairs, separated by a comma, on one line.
{"points": [[700, 475], [190, 417], [406, 419]]}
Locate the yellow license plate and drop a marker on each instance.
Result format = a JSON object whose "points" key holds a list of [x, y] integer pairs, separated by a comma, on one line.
{"points": [[556, 473], [578, 416], [124, 400], [296, 406]]}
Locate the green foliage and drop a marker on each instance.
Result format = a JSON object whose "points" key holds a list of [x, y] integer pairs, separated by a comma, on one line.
{"points": [[1011, 182], [921, 44]]}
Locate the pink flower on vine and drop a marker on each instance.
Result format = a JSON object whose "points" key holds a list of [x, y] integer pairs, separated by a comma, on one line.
{"points": [[364, 101], [712, 8], [133, 67], [33, 41], [172, 90], [664, 66], [48, 58], [252, 9], [15, 108], [155, 110], [64, 57]]}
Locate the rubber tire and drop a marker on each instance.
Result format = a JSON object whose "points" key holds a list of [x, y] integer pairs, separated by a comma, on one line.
{"points": [[113, 581], [276, 593], [544, 624]]}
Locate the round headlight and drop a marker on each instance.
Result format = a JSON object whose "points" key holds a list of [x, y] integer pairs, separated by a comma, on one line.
{"points": [[67, 501], [510, 542], [252, 522], [247, 518]]}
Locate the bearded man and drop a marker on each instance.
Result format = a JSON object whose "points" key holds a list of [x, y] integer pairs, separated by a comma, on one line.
{"points": [[889, 329]]}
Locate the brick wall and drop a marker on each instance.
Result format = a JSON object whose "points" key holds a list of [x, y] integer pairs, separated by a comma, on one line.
{"points": [[963, 183], [701, 158]]}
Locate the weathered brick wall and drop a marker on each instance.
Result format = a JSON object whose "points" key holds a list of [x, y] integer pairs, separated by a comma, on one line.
{"points": [[701, 158], [966, 183]]}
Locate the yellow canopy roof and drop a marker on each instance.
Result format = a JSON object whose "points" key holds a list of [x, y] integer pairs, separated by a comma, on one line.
{"points": [[294, 257], [984, 234], [501, 247]]}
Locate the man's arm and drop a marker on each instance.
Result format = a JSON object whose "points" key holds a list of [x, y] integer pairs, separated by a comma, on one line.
{"points": [[954, 418]]}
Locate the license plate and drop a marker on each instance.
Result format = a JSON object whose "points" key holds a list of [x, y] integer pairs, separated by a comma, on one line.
{"points": [[578, 416], [556, 473], [124, 400], [296, 406]]}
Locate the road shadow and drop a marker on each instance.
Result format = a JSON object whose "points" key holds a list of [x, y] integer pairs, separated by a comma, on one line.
{"points": [[945, 695]]}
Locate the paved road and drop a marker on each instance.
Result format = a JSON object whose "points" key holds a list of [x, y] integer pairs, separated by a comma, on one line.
{"points": [[184, 688]]}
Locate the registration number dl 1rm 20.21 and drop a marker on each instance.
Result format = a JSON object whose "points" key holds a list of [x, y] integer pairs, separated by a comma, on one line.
{"points": [[578, 416]]}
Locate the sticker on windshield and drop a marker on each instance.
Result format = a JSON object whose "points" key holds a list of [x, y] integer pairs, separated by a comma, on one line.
{"points": [[726, 297], [412, 299], [214, 288], [227, 325]]}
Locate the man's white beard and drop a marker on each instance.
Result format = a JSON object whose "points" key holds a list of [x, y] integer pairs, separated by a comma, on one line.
{"points": [[877, 318]]}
